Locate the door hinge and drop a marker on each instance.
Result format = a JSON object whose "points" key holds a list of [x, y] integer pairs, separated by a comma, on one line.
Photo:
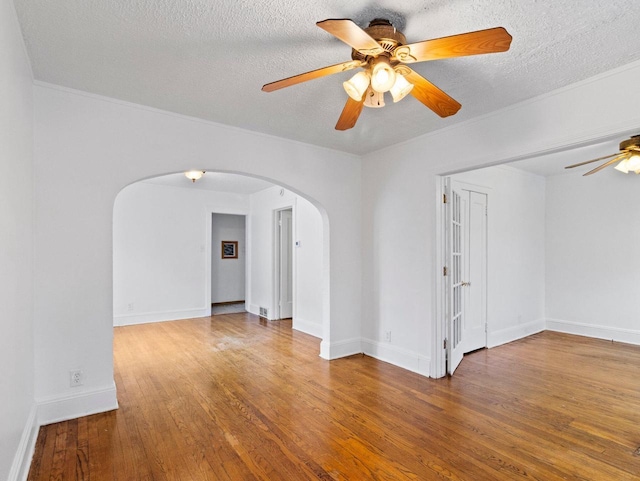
{"points": [[444, 271], [444, 198], [445, 343]]}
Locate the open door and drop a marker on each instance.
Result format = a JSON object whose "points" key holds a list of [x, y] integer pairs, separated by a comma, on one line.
{"points": [[455, 247], [285, 264], [474, 272]]}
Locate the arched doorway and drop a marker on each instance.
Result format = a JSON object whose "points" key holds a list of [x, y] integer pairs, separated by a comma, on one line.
{"points": [[164, 257]]}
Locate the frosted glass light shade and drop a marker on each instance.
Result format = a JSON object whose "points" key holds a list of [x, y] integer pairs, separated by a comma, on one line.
{"points": [[401, 88], [382, 75], [622, 166], [374, 99], [631, 163], [194, 175], [357, 85]]}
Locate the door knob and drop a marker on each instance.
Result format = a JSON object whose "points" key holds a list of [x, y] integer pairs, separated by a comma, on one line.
{"points": [[466, 283]]}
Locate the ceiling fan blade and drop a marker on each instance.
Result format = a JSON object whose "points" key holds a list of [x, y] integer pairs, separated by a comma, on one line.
{"points": [[350, 114], [347, 31], [473, 43], [432, 96], [314, 74], [606, 164], [591, 161]]}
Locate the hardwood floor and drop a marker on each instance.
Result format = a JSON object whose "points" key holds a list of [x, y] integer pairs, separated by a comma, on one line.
{"points": [[237, 398]]}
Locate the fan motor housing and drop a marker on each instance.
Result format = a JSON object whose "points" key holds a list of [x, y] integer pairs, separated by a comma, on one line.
{"points": [[383, 32], [633, 143]]}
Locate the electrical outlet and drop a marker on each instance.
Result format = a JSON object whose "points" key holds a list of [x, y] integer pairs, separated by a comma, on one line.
{"points": [[387, 336], [76, 378], [130, 307]]}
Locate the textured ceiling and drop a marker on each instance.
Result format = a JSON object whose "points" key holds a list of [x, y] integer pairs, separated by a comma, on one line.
{"points": [[209, 59]]}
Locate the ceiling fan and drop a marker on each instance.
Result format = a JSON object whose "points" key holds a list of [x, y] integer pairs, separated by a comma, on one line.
{"points": [[382, 51], [628, 158]]}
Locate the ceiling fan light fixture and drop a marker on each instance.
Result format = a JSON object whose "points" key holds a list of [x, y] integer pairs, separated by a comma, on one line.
{"points": [[631, 163], [622, 166], [374, 99], [401, 88], [194, 175], [357, 85], [383, 77]]}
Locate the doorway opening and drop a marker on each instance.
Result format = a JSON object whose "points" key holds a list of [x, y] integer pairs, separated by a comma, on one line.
{"points": [[228, 263], [283, 256], [182, 247], [491, 250], [465, 228]]}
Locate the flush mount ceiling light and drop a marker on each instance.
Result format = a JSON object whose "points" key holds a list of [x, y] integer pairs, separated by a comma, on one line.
{"points": [[628, 158], [382, 51], [194, 175]]}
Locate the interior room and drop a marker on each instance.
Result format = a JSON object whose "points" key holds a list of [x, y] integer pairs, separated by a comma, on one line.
{"points": [[456, 168]]}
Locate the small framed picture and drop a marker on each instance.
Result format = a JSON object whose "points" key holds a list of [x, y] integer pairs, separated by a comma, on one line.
{"points": [[229, 249]]}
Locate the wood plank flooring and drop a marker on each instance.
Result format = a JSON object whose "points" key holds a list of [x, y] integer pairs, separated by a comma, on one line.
{"points": [[232, 397]]}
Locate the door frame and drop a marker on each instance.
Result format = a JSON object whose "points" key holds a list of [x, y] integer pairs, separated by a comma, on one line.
{"points": [[207, 247], [276, 262], [441, 324]]}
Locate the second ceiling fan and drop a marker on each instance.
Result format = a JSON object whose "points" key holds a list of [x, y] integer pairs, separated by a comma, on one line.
{"points": [[383, 52]]}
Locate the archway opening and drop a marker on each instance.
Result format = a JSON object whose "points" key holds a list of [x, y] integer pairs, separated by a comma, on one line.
{"points": [[165, 257]]}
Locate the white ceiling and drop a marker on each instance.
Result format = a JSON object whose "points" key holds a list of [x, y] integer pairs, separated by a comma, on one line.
{"points": [[555, 163], [209, 59], [216, 181]]}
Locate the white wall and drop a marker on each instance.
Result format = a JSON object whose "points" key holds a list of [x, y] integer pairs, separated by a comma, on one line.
{"points": [[401, 198], [307, 315], [516, 251], [161, 247], [593, 271], [17, 408], [87, 149], [228, 275], [307, 258]]}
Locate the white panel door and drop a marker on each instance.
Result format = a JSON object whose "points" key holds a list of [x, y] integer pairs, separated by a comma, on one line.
{"points": [[475, 271], [286, 262]]}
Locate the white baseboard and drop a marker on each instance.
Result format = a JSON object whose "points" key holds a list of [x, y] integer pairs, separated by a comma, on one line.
{"points": [[336, 350], [147, 317], [503, 336], [409, 360], [312, 328], [629, 336], [70, 406], [22, 459]]}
